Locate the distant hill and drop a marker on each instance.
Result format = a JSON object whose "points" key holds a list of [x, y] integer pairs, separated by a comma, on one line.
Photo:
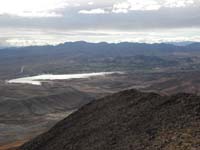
{"points": [[71, 99], [181, 43], [23, 118], [77, 57], [129, 120]]}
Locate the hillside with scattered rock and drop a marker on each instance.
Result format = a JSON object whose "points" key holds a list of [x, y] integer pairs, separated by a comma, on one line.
{"points": [[125, 121]]}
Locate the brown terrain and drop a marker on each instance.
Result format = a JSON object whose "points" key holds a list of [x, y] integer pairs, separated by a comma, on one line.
{"points": [[12, 146], [127, 120], [28, 110]]}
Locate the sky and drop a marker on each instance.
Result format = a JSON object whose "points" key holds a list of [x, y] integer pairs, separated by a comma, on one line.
{"points": [[41, 22]]}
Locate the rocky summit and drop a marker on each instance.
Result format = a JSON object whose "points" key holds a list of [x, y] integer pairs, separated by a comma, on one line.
{"points": [[128, 120]]}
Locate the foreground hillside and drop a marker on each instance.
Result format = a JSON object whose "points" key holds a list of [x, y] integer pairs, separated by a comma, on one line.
{"points": [[125, 121]]}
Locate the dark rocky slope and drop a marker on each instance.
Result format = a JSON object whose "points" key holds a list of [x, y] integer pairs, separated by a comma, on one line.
{"points": [[129, 120]]}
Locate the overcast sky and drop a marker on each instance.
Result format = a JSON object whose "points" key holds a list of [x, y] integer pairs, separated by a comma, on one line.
{"points": [[39, 22]]}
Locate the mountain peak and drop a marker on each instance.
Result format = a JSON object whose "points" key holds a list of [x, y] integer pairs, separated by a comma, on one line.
{"points": [[127, 120]]}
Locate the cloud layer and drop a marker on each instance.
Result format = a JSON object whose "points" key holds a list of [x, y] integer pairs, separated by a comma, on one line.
{"points": [[38, 22], [144, 5], [32, 8]]}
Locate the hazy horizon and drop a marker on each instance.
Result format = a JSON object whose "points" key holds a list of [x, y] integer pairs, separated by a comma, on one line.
{"points": [[180, 43]]}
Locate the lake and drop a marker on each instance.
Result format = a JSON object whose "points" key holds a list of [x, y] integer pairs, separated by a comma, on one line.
{"points": [[37, 80]]}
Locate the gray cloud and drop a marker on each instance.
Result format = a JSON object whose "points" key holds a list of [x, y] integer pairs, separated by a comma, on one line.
{"points": [[82, 16]]}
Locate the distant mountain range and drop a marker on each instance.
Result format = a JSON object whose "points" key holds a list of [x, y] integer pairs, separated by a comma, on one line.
{"points": [[181, 43], [125, 121], [3, 47], [77, 57], [123, 48]]}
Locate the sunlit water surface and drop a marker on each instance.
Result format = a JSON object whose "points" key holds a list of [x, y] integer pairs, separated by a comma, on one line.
{"points": [[37, 80]]}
